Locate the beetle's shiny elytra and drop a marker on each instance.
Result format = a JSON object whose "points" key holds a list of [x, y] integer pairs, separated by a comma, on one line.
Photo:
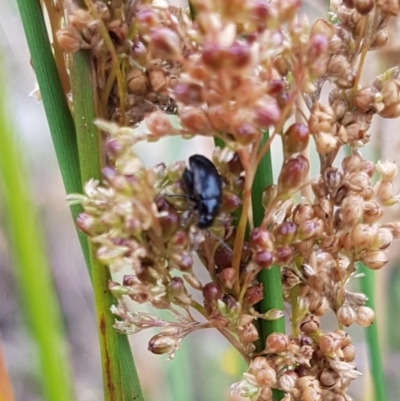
{"points": [[204, 187]]}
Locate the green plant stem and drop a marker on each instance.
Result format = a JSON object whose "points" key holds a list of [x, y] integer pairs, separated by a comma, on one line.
{"points": [[31, 267], [58, 115], [119, 373], [375, 361], [270, 278]]}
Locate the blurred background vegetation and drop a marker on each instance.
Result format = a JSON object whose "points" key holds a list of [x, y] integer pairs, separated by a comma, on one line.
{"points": [[206, 365]]}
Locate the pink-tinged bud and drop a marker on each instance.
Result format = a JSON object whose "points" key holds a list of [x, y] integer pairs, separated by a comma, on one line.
{"points": [[181, 261], [260, 10], [313, 228], [267, 112], [194, 120], [346, 315], [309, 324], [139, 53], [293, 175], [260, 239], [188, 93], [213, 55], [230, 202], [296, 138], [176, 289], [375, 260], [129, 280], [228, 277], [365, 316], [114, 147], [180, 240], [318, 46], [276, 342], [264, 259], [323, 27], [285, 233], [147, 19], [162, 344], [165, 43], [246, 133], [254, 294], [88, 224], [238, 55], [283, 255], [169, 219], [212, 293], [303, 212], [158, 124]]}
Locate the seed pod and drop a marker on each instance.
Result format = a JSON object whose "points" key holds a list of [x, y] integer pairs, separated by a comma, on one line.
{"points": [[248, 334], [303, 212], [365, 316], [363, 235], [295, 139], [266, 377], [328, 378], [329, 343], [293, 175], [375, 260], [165, 43], [264, 259], [318, 306], [349, 353], [158, 124], [276, 342], [163, 344], [283, 255], [346, 315], [352, 209], [228, 277], [285, 233], [309, 324], [211, 294], [260, 239]]}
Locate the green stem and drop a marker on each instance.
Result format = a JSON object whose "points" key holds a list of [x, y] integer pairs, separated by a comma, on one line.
{"points": [[31, 267], [58, 115], [119, 373], [270, 278], [375, 360]]}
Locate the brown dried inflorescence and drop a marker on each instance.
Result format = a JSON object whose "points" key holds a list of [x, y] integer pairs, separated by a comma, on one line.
{"points": [[234, 72]]}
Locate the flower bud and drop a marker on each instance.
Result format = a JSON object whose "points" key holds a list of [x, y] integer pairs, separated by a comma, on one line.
{"points": [[391, 99], [69, 40], [293, 175], [79, 18], [264, 259], [323, 27], [375, 260], [267, 112], [285, 233], [157, 79], [318, 306], [276, 342], [212, 293], [295, 139], [329, 343], [328, 378], [268, 195], [266, 377], [313, 228], [303, 212], [176, 289], [365, 316], [363, 235], [289, 278], [287, 381], [248, 333], [188, 93], [158, 124], [283, 255], [162, 344], [346, 315], [349, 353], [137, 82], [181, 261], [352, 209], [88, 224], [309, 324], [228, 277], [387, 170], [165, 43], [383, 239], [372, 212], [238, 55], [254, 294], [213, 55], [260, 239], [367, 100], [230, 202], [194, 120]]}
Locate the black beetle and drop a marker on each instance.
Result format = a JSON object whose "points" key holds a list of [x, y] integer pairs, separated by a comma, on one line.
{"points": [[204, 187]]}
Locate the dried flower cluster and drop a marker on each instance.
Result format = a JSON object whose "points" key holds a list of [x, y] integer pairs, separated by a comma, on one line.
{"points": [[232, 70]]}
